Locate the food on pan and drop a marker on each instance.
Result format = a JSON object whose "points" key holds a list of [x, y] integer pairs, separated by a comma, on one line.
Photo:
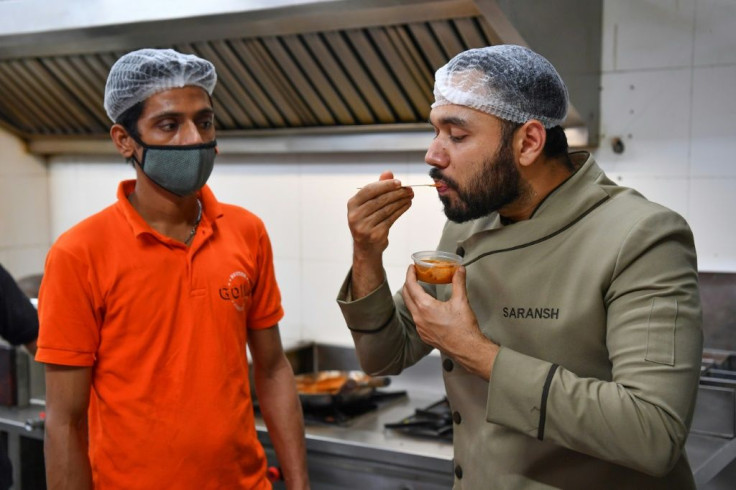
{"points": [[327, 382]]}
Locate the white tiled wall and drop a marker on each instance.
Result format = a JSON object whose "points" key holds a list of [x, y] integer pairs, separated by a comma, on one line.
{"points": [[24, 208], [668, 90], [303, 201]]}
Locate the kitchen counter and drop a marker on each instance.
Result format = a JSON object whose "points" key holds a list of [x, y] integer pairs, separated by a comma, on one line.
{"points": [[365, 436], [380, 450]]}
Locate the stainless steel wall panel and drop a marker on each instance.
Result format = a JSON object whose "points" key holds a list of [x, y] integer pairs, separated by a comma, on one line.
{"points": [[323, 65], [398, 62], [277, 84], [27, 101], [254, 98], [415, 62], [80, 93], [314, 110], [12, 112], [230, 92], [318, 79], [471, 33], [381, 76], [72, 93], [428, 45], [250, 55], [334, 69], [362, 80], [46, 97], [445, 34]]}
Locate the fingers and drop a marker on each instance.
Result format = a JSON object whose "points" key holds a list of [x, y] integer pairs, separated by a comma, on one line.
{"points": [[408, 292], [458, 283], [386, 175], [375, 208]]}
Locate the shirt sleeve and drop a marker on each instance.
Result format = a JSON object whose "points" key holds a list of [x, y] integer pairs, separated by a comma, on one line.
{"points": [[18, 317], [640, 418], [384, 333], [69, 311], [266, 309]]}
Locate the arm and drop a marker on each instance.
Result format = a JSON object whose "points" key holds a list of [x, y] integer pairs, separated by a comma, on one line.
{"points": [[276, 390], [31, 347], [640, 419], [385, 343], [65, 444], [18, 317], [371, 212]]}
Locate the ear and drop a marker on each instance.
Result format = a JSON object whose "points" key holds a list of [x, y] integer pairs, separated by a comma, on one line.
{"points": [[530, 139], [122, 141]]}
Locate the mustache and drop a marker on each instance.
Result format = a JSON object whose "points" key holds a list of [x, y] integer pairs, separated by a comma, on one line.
{"points": [[436, 174]]}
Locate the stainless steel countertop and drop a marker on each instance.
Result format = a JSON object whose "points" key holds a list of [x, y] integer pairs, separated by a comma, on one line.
{"points": [[365, 436]]}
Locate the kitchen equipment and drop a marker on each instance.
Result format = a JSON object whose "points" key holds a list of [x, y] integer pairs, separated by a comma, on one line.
{"points": [[715, 413], [433, 421], [336, 388]]}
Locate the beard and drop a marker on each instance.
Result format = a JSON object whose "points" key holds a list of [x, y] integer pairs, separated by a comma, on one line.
{"points": [[496, 184]]}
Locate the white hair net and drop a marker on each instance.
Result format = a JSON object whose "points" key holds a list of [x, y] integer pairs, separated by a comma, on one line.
{"points": [[140, 74], [508, 81]]}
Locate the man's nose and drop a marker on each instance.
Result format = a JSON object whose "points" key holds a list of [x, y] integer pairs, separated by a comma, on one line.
{"points": [[436, 155], [189, 134]]}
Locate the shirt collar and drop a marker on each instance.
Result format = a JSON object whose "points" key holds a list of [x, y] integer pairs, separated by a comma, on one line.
{"points": [[211, 208]]}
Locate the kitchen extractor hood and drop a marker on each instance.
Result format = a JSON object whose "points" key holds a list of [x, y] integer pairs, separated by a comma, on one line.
{"points": [[293, 75]]}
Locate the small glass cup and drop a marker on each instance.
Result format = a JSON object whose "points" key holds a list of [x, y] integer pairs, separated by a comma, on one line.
{"points": [[435, 267]]}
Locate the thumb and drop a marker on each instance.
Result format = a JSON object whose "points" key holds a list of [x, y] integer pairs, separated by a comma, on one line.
{"points": [[387, 175], [458, 283]]}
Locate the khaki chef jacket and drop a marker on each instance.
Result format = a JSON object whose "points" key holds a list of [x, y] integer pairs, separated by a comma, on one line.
{"points": [[594, 302]]}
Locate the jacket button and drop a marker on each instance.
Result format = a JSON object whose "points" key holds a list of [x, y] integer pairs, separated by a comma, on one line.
{"points": [[456, 417], [447, 364], [460, 251], [459, 472]]}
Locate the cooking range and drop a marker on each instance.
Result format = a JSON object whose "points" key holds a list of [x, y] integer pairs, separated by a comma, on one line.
{"points": [[433, 421], [344, 413]]}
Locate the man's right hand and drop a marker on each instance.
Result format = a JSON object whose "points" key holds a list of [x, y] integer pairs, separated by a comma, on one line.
{"points": [[371, 212]]}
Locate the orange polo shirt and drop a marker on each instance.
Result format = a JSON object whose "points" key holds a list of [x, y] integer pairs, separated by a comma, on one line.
{"points": [[164, 327]]}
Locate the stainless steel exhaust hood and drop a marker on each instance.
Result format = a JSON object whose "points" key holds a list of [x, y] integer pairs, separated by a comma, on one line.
{"points": [[292, 75]]}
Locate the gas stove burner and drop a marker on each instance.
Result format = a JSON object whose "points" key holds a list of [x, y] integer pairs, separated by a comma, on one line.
{"points": [[343, 413], [434, 422]]}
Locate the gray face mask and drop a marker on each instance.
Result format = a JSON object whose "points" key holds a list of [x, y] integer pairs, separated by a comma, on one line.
{"points": [[181, 170]]}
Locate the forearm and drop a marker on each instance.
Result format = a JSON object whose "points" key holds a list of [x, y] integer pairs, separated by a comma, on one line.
{"points": [[604, 419], [385, 339], [366, 275], [283, 416], [65, 451]]}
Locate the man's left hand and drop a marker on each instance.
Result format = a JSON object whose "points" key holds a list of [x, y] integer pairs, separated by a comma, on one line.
{"points": [[450, 326]]}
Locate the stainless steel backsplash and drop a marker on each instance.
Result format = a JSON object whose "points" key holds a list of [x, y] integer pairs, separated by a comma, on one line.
{"points": [[718, 297]]}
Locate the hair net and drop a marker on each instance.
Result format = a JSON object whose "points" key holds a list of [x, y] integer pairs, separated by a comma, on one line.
{"points": [[140, 74], [510, 82]]}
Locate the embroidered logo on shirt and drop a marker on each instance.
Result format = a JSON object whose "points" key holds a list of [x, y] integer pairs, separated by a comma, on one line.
{"points": [[237, 290], [536, 313]]}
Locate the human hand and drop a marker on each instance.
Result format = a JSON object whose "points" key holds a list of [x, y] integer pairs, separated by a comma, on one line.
{"points": [[450, 326], [373, 210]]}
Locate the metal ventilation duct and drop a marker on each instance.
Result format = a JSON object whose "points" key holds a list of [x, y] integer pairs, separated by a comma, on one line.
{"points": [[308, 68]]}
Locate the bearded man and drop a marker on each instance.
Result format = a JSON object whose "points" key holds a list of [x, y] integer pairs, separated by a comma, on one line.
{"points": [[571, 335]]}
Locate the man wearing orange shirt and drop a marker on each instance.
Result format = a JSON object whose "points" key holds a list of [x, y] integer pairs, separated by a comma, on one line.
{"points": [[146, 308]]}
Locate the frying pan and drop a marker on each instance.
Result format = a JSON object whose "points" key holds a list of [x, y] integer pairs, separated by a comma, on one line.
{"points": [[330, 388]]}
